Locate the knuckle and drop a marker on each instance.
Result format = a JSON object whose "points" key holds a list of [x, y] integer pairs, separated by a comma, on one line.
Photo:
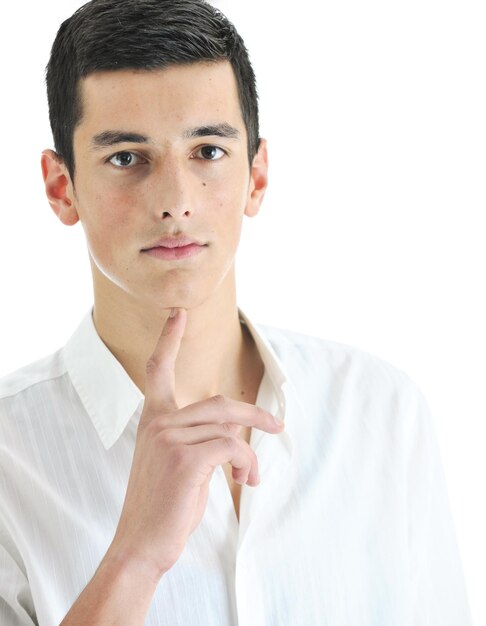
{"points": [[166, 435], [230, 429], [219, 400], [230, 443], [152, 425], [179, 456], [152, 365]]}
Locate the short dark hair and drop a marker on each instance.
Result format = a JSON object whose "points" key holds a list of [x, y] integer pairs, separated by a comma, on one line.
{"points": [[141, 34]]}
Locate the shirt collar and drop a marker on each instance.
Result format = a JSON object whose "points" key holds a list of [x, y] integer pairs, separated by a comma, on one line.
{"points": [[109, 395]]}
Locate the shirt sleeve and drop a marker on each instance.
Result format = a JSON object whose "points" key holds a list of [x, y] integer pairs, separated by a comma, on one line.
{"points": [[438, 587], [16, 605]]}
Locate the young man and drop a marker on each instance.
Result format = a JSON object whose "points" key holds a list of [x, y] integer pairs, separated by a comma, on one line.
{"points": [[145, 478]]}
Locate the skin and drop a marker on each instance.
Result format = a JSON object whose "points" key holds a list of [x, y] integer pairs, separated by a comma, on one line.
{"points": [[194, 368]]}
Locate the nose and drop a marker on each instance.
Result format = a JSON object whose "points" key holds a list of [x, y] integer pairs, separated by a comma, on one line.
{"points": [[172, 199]]}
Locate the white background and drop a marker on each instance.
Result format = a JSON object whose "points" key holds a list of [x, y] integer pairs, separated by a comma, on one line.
{"points": [[372, 232]]}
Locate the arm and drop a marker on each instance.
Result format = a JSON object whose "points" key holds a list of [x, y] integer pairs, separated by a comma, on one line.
{"points": [[119, 593], [16, 606], [438, 587]]}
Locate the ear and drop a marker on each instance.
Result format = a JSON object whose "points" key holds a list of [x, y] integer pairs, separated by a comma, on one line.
{"points": [[258, 180], [59, 188]]}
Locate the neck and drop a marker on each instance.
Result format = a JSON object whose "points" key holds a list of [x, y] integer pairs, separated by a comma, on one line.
{"points": [[217, 353]]}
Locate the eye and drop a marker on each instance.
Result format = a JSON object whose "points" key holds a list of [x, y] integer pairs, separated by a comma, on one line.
{"points": [[210, 153], [125, 160]]}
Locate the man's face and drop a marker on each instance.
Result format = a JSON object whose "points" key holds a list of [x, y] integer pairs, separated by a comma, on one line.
{"points": [[184, 170]]}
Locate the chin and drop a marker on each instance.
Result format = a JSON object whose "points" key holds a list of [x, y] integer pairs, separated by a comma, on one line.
{"points": [[185, 296]]}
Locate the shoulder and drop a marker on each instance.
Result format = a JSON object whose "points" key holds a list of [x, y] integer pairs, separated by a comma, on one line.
{"points": [[31, 397], [36, 373], [308, 350], [337, 368]]}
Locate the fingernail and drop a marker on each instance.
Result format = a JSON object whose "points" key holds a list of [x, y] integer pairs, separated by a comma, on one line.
{"points": [[173, 313]]}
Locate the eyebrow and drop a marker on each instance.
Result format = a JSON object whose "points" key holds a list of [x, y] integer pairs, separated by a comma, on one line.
{"points": [[220, 130], [112, 137]]}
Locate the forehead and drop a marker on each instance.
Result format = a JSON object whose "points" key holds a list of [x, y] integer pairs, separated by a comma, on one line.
{"points": [[168, 98]]}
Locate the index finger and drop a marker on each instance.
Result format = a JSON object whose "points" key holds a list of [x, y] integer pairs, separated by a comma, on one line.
{"points": [[160, 368]]}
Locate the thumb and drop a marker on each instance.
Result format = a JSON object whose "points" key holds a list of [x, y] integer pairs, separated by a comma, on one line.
{"points": [[160, 368]]}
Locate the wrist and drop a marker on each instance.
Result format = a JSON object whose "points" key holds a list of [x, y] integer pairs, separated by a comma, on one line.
{"points": [[125, 563]]}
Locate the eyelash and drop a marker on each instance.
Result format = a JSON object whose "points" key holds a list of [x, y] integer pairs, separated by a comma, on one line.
{"points": [[209, 145], [139, 156], [121, 167]]}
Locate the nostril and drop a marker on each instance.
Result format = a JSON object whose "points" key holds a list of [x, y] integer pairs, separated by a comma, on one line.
{"points": [[174, 213]]}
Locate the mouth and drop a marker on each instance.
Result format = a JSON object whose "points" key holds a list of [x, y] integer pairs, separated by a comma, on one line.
{"points": [[174, 248], [172, 254]]}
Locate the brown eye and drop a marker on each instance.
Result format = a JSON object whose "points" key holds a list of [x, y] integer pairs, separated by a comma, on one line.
{"points": [[124, 159], [211, 153]]}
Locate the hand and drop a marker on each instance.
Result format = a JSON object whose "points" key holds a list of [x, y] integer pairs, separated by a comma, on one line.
{"points": [[176, 452]]}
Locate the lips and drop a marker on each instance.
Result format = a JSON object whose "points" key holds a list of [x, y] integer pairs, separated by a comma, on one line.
{"points": [[179, 241], [175, 248]]}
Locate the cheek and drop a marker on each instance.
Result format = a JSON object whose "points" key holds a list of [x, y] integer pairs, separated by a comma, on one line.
{"points": [[231, 196], [227, 217], [105, 218]]}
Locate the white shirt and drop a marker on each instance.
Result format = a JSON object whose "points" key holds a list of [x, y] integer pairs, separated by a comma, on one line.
{"points": [[350, 525]]}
